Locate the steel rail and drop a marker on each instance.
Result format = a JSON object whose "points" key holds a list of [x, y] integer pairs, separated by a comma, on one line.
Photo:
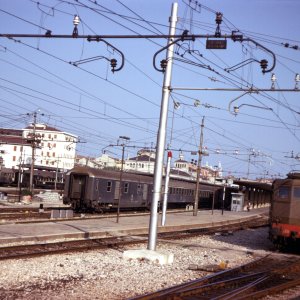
{"points": [[273, 269]]}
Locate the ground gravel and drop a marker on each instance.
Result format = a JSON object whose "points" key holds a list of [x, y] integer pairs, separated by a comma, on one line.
{"points": [[107, 275]]}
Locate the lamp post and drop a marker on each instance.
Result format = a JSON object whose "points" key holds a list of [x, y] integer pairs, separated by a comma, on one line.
{"points": [[124, 138]]}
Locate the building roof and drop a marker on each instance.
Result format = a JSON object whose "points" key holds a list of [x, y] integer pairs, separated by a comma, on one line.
{"points": [[181, 161], [179, 172], [9, 131], [42, 127], [144, 158], [11, 139]]}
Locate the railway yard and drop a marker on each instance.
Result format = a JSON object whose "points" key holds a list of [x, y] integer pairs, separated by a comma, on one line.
{"points": [[92, 266]]}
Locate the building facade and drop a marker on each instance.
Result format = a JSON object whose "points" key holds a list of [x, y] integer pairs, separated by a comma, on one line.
{"points": [[47, 146]]}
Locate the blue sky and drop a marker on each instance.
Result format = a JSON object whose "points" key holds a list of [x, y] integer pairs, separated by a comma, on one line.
{"points": [[99, 106]]}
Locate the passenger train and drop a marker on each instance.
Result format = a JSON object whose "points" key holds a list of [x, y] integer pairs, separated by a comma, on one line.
{"points": [[285, 211], [97, 190]]}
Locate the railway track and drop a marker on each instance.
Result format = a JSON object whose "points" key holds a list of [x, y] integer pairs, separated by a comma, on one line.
{"points": [[40, 249], [265, 276], [79, 245]]}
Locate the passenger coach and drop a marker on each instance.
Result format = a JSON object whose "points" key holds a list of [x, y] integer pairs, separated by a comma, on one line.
{"points": [[88, 189]]}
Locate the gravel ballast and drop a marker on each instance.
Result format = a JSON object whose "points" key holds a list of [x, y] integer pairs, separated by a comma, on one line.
{"points": [[107, 275]]}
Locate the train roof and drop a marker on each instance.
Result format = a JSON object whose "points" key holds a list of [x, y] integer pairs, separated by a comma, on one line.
{"points": [[111, 174], [254, 184], [134, 176]]}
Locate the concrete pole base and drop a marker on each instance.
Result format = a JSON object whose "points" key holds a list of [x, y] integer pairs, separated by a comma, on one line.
{"points": [[151, 255]]}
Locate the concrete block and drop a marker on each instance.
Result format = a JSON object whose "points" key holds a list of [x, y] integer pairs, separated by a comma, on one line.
{"points": [[151, 255]]}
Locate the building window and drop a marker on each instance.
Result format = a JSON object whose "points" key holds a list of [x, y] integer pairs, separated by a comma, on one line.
{"points": [[126, 188], [49, 136], [15, 148], [108, 186], [53, 154], [14, 158], [55, 136]]}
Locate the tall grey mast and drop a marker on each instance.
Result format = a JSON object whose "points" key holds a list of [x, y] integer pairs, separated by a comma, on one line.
{"points": [[161, 137]]}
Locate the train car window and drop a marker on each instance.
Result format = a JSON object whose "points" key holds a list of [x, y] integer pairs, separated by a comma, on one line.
{"points": [[108, 186], [297, 192], [283, 192], [139, 189], [126, 187]]}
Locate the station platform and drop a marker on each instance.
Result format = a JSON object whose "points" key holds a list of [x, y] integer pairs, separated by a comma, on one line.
{"points": [[107, 226]]}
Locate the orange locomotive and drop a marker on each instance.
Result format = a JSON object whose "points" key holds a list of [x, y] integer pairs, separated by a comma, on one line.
{"points": [[285, 211]]}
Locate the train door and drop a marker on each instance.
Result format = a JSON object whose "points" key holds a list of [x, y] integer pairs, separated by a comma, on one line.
{"points": [[78, 188], [145, 192]]}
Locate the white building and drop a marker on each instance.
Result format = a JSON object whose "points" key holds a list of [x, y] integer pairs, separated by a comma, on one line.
{"points": [[106, 161], [52, 147], [13, 148], [143, 162], [101, 162]]}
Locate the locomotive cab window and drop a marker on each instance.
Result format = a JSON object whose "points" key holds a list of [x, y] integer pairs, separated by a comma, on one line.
{"points": [[297, 192], [283, 192]]}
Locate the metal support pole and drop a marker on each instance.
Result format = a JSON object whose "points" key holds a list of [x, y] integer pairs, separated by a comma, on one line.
{"points": [[165, 201], [56, 173], [223, 199], [161, 137], [198, 171], [32, 154], [120, 184]]}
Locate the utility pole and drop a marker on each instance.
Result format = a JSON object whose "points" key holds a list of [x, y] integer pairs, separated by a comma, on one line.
{"points": [[56, 174], [161, 137], [121, 175], [200, 152], [33, 145]]}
